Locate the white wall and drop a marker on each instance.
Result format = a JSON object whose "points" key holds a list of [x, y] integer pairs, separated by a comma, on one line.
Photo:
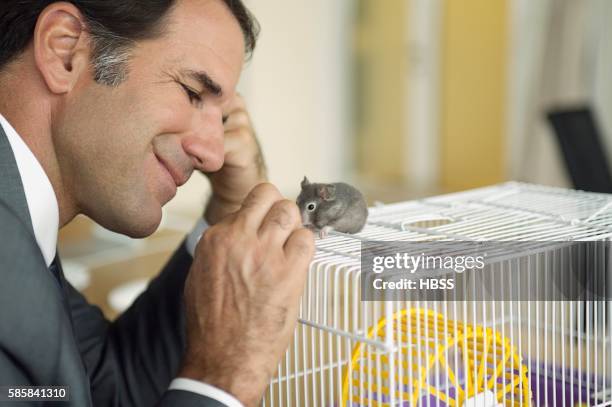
{"points": [[561, 55], [528, 27], [602, 75], [297, 89], [421, 138]]}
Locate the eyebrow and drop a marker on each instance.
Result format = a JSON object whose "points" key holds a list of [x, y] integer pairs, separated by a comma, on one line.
{"points": [[206, 81]]}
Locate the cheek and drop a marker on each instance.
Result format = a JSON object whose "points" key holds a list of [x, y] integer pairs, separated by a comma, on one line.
{"points": [[172, 116], [151, 176], [117, 157], [106, 150]]}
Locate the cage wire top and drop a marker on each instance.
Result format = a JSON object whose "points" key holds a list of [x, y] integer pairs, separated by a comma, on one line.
{"points": [[511, 211]]}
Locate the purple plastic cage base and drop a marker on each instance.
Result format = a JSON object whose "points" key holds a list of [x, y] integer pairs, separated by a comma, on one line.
{"points": [[553, 385], [568, 388]]}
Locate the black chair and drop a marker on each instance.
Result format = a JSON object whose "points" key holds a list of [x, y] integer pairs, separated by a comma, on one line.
{"points": [[580, 142]]}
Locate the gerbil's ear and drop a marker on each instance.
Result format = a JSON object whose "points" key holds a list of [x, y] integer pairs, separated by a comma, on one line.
{"points": [[304, 182], [327, 192], [61, 46]]}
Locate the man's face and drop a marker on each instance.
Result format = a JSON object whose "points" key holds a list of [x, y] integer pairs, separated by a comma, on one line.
{"points": [[122, 151]]}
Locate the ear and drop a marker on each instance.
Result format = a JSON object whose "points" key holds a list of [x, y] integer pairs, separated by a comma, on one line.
{"points": [[61, 49], [305, 182], [327, 192]]}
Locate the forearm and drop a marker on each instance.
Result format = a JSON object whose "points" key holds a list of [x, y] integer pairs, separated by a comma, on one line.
{"points": [[148, 338]]}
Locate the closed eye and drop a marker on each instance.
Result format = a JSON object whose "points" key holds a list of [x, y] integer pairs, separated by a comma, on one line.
{"points": [[195, 98]]}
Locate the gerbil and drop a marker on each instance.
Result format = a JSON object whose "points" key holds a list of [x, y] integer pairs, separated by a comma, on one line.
{"points": [[337, 206]]}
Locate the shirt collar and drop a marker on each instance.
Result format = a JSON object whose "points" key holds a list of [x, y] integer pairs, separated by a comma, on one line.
{"points": [[41, 199]]}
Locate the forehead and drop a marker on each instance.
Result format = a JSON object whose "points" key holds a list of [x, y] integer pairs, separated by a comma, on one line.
{"points": [[203, 35]]}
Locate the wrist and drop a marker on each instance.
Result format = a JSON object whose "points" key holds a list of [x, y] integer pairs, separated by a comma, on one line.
{"points": [[245, 386]]}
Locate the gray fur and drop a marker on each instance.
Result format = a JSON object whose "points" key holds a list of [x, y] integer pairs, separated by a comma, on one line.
{"points": [[339, 206]]}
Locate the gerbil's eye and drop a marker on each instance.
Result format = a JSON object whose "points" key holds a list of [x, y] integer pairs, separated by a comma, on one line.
{"points": [[311, 206]]}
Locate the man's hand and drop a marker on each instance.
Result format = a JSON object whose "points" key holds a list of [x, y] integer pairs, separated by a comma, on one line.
{"points": [[242, 294], [243, 167]]}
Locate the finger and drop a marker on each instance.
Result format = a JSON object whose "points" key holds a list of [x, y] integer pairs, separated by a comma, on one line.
{"points": [[257, 204], [236, 119], [300, 248], [244, 151], [236, 103], [239, 140], [278, 224]]}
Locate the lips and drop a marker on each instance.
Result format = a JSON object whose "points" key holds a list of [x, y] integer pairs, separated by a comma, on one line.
{"points": [[178, 176]]}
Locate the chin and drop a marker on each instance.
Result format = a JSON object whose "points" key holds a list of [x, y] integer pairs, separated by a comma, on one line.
{"points": [[141, 231], [138, 224], [145, 227]]}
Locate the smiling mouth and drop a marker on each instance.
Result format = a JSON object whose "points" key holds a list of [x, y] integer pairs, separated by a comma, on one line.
{"points": [[179, 177]]}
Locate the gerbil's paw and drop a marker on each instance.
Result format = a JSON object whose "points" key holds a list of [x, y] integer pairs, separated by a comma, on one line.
{"points": [[325, 231]]}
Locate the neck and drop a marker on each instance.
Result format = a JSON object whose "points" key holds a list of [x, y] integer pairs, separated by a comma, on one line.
{"points": [[30, 115]]}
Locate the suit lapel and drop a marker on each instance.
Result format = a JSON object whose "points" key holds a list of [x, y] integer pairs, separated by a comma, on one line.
{"points": [[11, 187], [34, 312]]}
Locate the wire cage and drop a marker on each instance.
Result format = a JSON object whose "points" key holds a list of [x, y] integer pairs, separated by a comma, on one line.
{"points": [[461, 353]]}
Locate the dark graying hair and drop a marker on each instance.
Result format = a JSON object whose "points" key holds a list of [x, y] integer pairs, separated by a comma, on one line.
{"points": [[114, 26]]}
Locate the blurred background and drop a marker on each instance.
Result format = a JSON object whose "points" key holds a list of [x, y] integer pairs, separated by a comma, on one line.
{"points": [[404, 99]]}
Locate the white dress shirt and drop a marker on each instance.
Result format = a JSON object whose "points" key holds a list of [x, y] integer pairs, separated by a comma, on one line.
{"points": [[39, 193], [44, 212]]}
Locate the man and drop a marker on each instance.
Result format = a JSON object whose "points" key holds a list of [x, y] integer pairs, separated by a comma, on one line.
{"points": [[106, 107]]}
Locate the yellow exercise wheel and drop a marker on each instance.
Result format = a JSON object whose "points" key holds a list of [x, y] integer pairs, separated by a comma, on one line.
{"points": [[437, 362]]}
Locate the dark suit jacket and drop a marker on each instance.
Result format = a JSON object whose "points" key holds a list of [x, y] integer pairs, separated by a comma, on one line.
{"points": [[50, 335]]}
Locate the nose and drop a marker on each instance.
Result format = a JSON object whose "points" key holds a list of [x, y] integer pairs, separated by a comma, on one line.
{"points": [[204, 144]]}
